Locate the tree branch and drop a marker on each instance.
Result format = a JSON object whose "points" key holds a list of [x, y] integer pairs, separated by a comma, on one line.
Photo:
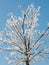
{"points": [[4, 49], [39, 38]]}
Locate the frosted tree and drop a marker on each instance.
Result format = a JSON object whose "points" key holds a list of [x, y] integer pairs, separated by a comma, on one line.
{"points": [[24, 41]]}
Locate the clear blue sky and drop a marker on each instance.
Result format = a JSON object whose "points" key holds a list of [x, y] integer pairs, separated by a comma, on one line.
{"points": [[7, 6]]}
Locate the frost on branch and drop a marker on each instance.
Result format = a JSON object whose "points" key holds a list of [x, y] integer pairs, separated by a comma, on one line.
{"points": [[22, 38], [48, 24]]}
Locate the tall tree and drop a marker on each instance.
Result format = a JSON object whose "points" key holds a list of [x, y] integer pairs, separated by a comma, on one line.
{"points": [[24, 40]]}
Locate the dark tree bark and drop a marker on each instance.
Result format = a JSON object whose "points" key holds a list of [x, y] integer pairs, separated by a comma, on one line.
{"points": [[27, 62], [27, 59]]}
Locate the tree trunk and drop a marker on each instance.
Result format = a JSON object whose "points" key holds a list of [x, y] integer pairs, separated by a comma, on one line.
{"points": [[27, 62]]}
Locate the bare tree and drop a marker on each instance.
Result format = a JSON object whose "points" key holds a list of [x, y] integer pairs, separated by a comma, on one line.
{"points": [[24, 40]]}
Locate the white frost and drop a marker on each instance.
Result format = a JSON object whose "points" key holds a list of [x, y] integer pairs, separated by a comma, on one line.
{"points": [[48, 24]]}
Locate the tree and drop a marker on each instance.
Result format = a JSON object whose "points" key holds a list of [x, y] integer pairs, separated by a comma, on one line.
{"points": [[25, 42]]}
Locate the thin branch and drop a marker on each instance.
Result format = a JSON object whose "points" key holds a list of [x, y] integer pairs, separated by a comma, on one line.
{"points": [[40, 37], [40, 45], [14, 43], [4, 49], [18, 62], [29, 43], [38, 53], [24, 32], [23, 22], [45, 53], [19, 33], [31, 27], [45, 58]]}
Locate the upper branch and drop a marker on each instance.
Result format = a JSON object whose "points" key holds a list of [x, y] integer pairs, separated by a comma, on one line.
{"points": [[39, 38]]}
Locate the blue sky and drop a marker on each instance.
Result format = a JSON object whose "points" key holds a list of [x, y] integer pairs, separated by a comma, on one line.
{"points": [[7, 6]]}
